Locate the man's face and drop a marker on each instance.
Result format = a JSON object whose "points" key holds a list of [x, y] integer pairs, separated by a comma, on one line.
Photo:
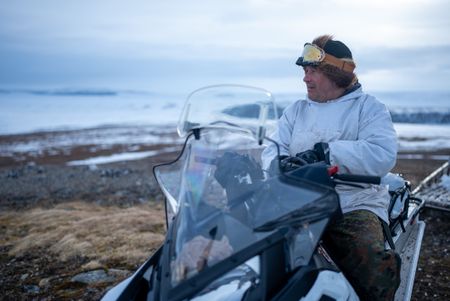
{"points": [[320, 88]]}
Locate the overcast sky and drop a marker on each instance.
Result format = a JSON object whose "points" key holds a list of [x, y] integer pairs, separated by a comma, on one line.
{"points": [[397, 44]]}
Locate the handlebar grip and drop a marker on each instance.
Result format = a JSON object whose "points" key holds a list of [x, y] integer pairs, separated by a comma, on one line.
{"points": [[358, 178]]}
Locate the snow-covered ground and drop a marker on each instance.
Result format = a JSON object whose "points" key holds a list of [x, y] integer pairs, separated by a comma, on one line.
{"points": [[103, 119]]}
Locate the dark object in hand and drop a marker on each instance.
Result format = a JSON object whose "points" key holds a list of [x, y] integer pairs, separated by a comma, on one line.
{"points": [[320, 152], [291, 163], [285, 164]]}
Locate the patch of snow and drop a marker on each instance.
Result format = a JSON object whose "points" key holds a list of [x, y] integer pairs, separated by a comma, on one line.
{"points": [[128, 156], [445, 182]]}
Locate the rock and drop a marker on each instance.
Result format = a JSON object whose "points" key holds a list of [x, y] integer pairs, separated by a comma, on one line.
{"points": [[121, 193], [97, 276], [110, 173], [44, 282], [31, 289], [116, 273], [13, 174], [23, 277], [92, 265], [115, 173]]}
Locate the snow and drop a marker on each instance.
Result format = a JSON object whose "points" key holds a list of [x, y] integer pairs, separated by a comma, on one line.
{"points": [[24, 113], [142, 118], [127, 156], [97, 138], [445, 182], [422, 136]]}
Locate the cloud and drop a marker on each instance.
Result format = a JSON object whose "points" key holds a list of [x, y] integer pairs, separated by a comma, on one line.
{"points": [[261, 27], [88, 39]]}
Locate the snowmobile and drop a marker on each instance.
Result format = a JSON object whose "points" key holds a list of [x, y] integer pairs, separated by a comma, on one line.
{"points": [[238, 232]]}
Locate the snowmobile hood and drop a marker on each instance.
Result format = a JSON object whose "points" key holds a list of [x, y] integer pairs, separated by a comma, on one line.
{"points": [[222, 206]]}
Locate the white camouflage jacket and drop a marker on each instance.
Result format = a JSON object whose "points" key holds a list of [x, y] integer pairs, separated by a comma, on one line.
{"points": [[361, 137]]}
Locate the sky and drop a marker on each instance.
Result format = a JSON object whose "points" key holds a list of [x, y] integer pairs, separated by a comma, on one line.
{"points": [[176, 45]]}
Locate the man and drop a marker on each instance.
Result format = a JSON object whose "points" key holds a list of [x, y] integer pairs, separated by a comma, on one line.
{"points": [[339, 124]]}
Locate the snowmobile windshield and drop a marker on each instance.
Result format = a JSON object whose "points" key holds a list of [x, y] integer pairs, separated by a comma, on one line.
{"points": [[220, 202], [226, 202], [236, 107], [228, 105]]}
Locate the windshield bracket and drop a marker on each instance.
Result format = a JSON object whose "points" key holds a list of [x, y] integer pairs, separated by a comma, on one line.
{"points": [[196, 132]]}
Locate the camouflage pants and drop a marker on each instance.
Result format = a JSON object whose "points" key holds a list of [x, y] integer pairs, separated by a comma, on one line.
{"points": [[356, 243]]}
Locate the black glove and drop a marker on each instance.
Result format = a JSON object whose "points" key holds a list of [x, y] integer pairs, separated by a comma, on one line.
{"points": [[291, 163], [285, 163], [320, 152]]}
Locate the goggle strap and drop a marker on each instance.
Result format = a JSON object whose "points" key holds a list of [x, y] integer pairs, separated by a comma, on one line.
{"points": [[346, 66]]}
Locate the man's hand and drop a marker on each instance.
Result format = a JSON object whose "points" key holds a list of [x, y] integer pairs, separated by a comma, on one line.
{"points": [[287, 163], [320, 152], [291, 163]]}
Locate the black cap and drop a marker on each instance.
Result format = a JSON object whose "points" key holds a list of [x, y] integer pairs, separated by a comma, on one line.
{"points": [[337, 49]]}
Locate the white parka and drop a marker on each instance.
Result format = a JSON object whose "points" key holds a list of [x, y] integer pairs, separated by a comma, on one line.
{"points": [[361, 137]]}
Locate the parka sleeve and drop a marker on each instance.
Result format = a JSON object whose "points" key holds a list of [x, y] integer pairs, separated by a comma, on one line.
{"points": [[375, 150], [282, 136]]}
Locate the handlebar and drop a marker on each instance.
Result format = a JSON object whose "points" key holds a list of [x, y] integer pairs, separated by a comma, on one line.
{"points": [[358, 178], [332, 172]]}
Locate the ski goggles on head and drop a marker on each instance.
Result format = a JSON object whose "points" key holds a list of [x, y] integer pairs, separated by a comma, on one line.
{"points": [[313, 56]]}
